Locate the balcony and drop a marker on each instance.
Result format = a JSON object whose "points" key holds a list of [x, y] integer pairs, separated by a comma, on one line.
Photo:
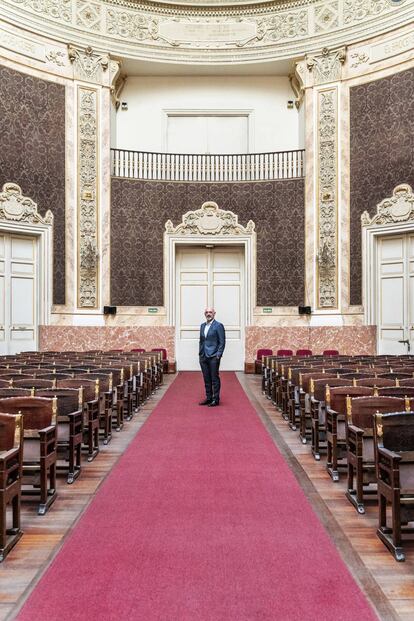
{"points": [[207, 167]]}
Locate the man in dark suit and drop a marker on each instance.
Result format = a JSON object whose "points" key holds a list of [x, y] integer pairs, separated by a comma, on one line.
{"points": [[212, 343]]}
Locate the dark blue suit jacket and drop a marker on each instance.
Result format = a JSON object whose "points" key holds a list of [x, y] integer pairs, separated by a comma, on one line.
{"points": [[215, 342]]}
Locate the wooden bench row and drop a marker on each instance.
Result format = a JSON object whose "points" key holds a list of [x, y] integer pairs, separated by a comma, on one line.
{"points": [[359, 413]]}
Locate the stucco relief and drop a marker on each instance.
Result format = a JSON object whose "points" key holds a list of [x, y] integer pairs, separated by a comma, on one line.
{"points": [[209, 220], [18, 208], [326, 66], [177, 31], [398, 208]]}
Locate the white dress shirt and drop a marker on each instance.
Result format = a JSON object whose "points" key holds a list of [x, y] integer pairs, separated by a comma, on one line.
{"points": [[207, 328]]}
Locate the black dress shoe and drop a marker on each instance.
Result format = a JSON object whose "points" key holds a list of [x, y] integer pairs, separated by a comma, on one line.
{"points": [[205, 402], [213, 403]]}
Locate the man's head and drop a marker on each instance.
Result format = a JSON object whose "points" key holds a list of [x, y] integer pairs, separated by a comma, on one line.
{"points": [[209, 314]]}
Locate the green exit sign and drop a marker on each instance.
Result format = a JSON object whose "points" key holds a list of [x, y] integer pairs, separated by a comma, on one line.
{"points": [[267, 309], [153, 310]]}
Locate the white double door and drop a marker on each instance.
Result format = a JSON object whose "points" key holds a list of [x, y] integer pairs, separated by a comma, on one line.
{"points": [[395, 294], [210, 277], [18, 293]]}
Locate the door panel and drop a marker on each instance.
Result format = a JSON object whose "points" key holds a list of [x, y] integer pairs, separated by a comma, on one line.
{"points": [[18, 294], [395, 293], [209, 277]]}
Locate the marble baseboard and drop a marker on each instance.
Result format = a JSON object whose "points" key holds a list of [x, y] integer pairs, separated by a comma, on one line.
{"points": [[82, 338], [348, 340]]}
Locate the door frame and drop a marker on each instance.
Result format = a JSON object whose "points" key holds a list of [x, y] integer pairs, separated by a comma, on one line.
{"points": [[244, 283], [19, 216]]}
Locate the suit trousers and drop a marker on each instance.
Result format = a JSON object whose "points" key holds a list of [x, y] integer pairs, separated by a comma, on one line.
{"points": [[210, 368]]}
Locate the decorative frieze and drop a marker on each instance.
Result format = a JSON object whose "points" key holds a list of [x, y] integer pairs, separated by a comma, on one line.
{"points": [[88, 254], [327, 198], [184, 32]]}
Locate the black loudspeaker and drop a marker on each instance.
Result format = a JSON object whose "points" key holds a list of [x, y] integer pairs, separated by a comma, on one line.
{"points": [[109, 310], [304, 310]]}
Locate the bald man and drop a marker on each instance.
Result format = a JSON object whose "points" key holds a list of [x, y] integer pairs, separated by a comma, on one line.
{"points": [[212, 343]]}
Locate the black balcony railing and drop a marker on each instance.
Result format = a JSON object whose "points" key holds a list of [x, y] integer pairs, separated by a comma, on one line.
{"points": [[207, 167]]}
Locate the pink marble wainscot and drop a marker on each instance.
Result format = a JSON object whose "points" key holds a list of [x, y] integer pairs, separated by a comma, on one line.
{"points": [[83, 338]]}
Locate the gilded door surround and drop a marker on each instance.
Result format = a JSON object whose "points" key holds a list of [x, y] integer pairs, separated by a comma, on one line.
{"points": [[19, 214], [394, 215], [209, 225]]}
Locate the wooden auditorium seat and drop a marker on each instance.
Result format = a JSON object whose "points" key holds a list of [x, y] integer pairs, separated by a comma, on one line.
{"points": [[362, 475], [394, 451], [39, 446], [11, 450], [259, 359]]}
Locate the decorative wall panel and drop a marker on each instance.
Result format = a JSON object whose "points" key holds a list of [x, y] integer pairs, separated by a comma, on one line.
{"points": [[140, 210], [382, 148], [32, 152]]}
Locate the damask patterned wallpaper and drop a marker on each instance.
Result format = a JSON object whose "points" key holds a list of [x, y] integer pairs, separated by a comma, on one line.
{"points": [[32, 152], [141, 208], [382, 153]]}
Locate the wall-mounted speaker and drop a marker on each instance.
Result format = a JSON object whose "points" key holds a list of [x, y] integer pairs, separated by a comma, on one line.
{"points": [[304, 310], [109, 310]]}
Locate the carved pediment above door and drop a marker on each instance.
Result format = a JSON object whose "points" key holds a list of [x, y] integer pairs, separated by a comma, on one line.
{"points": [[396, 209], [209, 220], [18, 208]]}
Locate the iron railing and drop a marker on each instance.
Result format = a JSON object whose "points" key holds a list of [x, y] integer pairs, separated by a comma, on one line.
{"points": [[207, 167]]}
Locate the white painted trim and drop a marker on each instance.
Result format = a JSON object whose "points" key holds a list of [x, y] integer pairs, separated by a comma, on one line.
{"points": [[43, 233], [370, 236]]}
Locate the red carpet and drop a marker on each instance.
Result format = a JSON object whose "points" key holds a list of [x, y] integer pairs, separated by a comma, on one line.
{"points": [[201, 519]]}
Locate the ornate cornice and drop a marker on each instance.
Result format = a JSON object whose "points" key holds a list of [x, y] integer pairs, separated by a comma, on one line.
{"points": [[15, 207], [181, 33], [209, 220], [394, 210]]}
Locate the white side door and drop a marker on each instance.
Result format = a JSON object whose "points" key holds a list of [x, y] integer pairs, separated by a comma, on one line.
{"points": [[18, 290], [395, 289], [209, 277]]}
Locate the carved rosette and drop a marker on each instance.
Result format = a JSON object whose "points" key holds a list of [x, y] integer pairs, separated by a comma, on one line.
{"points": [[396, 209], [87, 198], [14, 207], [209, 220], [327, 198]]}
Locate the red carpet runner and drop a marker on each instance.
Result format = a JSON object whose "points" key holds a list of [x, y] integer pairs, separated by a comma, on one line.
{"points": [[201, 519]]}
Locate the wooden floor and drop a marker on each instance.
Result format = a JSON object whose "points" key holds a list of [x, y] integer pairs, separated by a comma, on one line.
{"points": [[388, 584], [44, 535]]}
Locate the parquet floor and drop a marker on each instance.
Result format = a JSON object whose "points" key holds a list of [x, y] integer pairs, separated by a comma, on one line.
{"points": [[388, 584], [44, 535]]}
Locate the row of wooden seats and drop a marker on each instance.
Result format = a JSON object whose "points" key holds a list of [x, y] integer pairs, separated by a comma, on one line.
{"points": [[54, 405], [336, 404]]}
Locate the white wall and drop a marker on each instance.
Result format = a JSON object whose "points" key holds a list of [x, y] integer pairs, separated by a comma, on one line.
{"points": [[143, 126]]}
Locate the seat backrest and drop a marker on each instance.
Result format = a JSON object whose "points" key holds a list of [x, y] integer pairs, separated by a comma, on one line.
{"points": [[337, 396], [163, 351], [396, 391], [379, 382], [330, 352], [363, 409], [304, 352], [140, 350], [10, 431], [284, 352], [305, 378], [88, 385], [38, 412], [321, 384], [399, 376], [68, 399], [395, 431], [34, 383]]}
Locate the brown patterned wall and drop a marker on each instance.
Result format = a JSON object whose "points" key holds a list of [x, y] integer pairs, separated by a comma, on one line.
{"points": [[140, 209], [32, 152], [382, 152]]}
